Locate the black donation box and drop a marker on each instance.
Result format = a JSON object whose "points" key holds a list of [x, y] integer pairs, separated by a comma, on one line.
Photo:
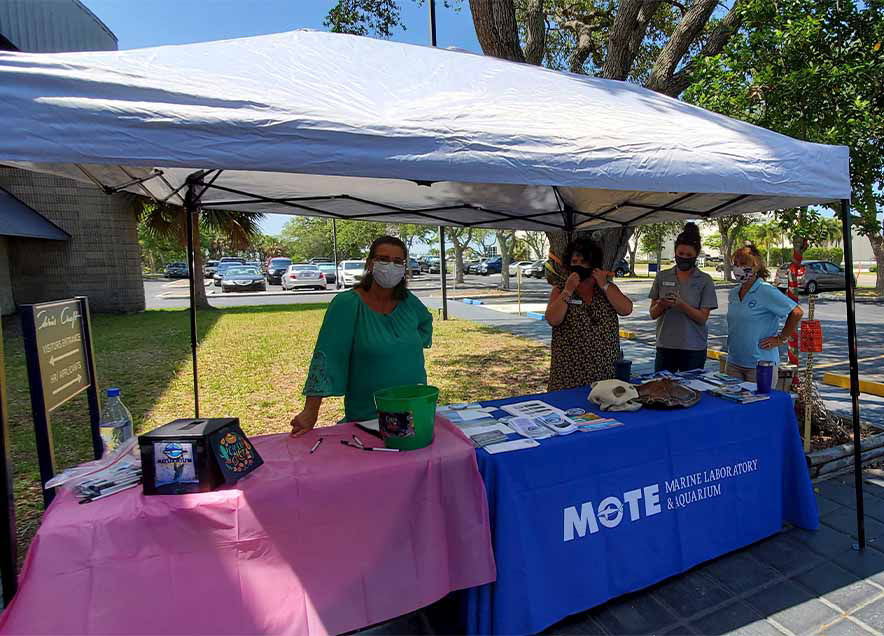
{"points": [[195, 455]]}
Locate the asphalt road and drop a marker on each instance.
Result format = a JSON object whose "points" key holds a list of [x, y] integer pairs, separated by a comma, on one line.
{"points": [[832, 313]]}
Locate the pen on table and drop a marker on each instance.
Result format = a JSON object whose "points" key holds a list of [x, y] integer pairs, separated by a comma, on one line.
{"points": [[316, 445], [369, 448], [358, 441]]}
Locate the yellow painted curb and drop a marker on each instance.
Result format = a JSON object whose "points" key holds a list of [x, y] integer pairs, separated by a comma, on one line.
{"points": [[843, 381]]}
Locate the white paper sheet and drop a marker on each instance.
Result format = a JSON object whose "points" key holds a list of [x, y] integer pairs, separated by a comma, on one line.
{"points": [[464, 415], [371, 424], [488, 428], [516, 444], [699, 385]]}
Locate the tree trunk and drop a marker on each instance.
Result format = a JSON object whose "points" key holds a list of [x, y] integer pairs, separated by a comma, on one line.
{"points": [[727, 250], [199, 283], [496, 28], [613, 243], [632, 252], [619, 60], [458, 262], [877, 241], [506, 241]]}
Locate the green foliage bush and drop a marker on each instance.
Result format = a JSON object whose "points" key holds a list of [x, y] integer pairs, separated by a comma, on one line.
{"points": [[834, 254], [782, 255]]}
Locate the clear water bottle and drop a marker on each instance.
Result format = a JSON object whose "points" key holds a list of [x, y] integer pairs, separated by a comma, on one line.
{"points": [[116, 422]]}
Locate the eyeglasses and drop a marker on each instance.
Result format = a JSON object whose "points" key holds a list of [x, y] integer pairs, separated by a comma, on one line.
{"points": [[387, 259]]}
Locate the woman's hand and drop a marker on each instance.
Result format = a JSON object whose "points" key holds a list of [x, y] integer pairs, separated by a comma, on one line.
{"points": [[572, 283], [303, 422], [601, 277], [772, 343]]}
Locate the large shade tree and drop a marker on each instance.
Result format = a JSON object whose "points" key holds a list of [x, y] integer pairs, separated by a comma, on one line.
{"points": [[657, 43], [814, 70]]}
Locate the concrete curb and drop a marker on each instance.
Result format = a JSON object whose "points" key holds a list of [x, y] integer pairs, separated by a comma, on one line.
{"points": [[843, 382]]}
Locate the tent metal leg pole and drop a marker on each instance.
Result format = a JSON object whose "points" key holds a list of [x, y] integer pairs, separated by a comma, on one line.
{"points": [[335, 247], [8, 539], [190, 209], [443, 273], [854, 370]]}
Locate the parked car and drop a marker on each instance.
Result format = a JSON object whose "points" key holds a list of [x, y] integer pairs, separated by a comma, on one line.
{"points": [[433, 262], [514, 267], [350, 273], [535, 269], [239, 278], [491, 266], [319, 261], [816, 276], [424, 262], [176, 270], [210, 268], [469, 267], [276, 268], [414, 268], [232, 259], [218, 276], [303, 276], [621, 268], [331, 277]]}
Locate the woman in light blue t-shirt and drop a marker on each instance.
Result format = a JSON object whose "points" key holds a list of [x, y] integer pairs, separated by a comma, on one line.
{"points": [[754, 313]]}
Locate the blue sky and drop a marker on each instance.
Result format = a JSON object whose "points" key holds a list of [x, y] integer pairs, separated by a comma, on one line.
{"points": [[157, 22]]}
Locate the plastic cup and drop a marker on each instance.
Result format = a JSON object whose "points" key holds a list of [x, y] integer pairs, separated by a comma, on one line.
{"points": [[407, 415], [763, 376]]}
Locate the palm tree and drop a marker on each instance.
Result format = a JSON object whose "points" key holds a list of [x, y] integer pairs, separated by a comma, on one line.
{"points": [[162, 220]]}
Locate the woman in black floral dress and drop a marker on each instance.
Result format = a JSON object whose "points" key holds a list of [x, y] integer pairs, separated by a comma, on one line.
{"points": [[583, 312]]}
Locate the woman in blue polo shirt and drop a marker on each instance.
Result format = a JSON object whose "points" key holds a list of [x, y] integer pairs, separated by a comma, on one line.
{"points": [[755, 310]]}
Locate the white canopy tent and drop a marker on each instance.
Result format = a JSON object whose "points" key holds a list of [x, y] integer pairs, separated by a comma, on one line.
{"points": [[355, 128], [351, 127]]}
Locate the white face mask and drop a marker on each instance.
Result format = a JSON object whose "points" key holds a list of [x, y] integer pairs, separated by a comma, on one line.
{"points": [[742, 274], [387, 275]]}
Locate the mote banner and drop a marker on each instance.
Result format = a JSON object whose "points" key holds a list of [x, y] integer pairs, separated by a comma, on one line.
{"points": [[61, 351]]}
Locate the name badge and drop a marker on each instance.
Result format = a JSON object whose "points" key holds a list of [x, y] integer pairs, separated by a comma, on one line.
{"points": [[575, 301], [669, 283]]}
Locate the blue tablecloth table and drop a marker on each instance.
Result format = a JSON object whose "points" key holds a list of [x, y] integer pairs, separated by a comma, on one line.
{"points": [[591, 516]]}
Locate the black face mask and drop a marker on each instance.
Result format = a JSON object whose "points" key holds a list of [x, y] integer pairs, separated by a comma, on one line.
{"points": [[684, 264], [581, 271]]}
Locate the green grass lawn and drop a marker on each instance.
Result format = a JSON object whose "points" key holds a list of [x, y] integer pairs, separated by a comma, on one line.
{"points": [[253, 362]]}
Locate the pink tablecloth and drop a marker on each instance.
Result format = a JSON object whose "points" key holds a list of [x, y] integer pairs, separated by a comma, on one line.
{"points": [[307, 544]]}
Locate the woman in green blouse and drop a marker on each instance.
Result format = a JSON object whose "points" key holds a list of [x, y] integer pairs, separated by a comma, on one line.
{"points": [[373, 337]]}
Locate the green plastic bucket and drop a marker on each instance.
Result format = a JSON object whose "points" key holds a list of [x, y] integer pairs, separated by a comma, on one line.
{"points": [[406, 415]]}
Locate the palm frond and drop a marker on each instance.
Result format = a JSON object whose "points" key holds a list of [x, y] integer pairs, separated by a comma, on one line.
{"points": [[241, 228], [168, 222], [165, 222]]}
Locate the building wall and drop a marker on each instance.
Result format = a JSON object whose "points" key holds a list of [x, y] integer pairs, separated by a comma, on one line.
{"points": [[53, 26], [7, 302], [102, 259]]}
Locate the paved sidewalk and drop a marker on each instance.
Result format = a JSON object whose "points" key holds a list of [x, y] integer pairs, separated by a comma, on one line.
{"points": [[796, 582]]}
